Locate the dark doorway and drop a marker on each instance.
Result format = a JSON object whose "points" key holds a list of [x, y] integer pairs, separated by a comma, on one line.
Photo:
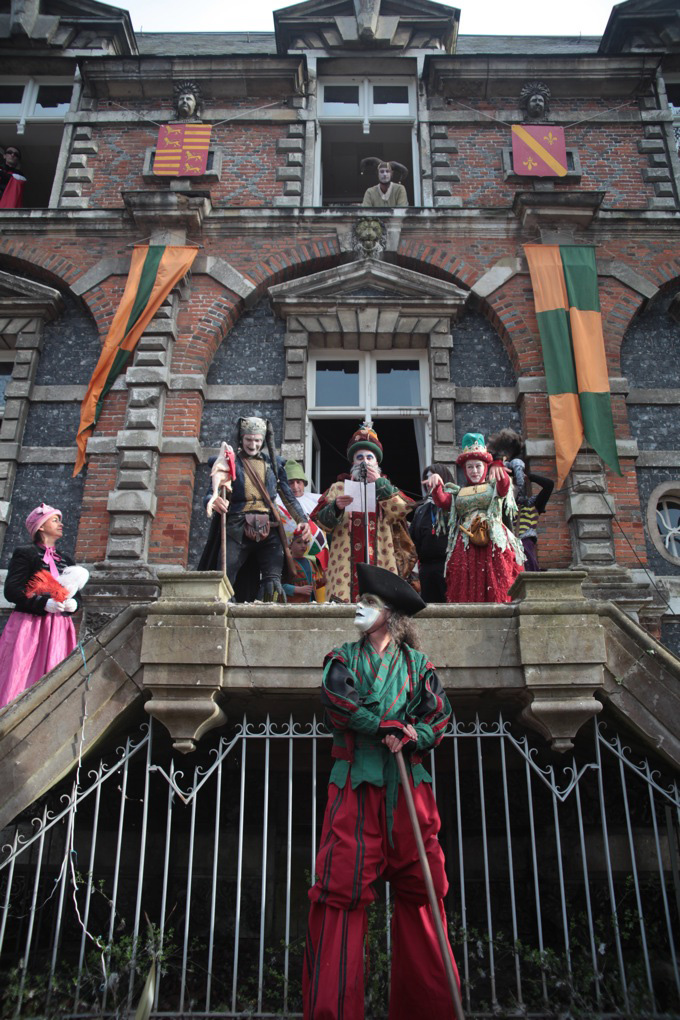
{"points": [[398, 438], [343, 146]]}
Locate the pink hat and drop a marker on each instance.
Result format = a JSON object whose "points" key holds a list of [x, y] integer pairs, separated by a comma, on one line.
{"points": [[37, 518]]}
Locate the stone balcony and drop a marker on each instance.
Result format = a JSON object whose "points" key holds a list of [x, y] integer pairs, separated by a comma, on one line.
{"points": [[552, 658]]}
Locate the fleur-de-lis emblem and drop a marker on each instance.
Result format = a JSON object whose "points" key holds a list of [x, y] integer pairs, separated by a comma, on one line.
{"points": [[550, 138], [530, 163]]}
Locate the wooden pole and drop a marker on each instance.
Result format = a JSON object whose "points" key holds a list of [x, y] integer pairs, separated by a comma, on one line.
{"points": [[431, 894], [223, 528]]}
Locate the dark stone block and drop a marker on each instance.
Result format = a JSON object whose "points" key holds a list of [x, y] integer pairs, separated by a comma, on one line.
{"points": [[219, 420], [649, 352], [48, 483], [485, 418], [252, 352], [478, 357], [52, 424], [670, 634], [655, 426], [71, 348]]}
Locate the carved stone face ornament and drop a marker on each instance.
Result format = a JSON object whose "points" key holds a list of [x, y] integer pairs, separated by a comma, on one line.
{"points": [[186, 105], [534, 98]]}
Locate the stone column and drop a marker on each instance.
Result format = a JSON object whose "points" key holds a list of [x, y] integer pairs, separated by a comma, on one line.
{"points": [[294, 392], [589, 511], [443, 393]]}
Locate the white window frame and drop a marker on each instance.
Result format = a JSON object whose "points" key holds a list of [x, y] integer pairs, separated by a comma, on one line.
{"points": [[368, 389], [364, 113], [27, 106]]}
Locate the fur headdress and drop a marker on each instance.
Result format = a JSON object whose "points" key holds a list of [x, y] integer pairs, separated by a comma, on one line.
{"points": [[399, 171]]}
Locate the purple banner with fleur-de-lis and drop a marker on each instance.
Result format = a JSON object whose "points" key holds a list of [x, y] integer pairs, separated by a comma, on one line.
{"points": [[538, 150]]}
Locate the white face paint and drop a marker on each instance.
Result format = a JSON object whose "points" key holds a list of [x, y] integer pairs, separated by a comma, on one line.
{"points": [[368, 612], [252, 444], [474, 469]]}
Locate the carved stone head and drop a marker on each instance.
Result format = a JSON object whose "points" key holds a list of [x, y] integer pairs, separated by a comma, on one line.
{"points": [[187, 100], [534, 99]]}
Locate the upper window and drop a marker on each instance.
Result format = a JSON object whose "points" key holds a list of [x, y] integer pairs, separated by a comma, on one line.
{"points": [[367, 100], [361, 117], [32, 113], [368, 381]]}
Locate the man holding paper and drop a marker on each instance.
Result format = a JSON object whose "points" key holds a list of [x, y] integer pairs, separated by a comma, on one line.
{"points": [[340, 512]]}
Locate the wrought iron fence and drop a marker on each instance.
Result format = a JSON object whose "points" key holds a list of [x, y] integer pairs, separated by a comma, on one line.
{"points": [[565, 884]]}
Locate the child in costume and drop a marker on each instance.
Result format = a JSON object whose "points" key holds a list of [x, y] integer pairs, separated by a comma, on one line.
{"points": [[309, 576], [43, 584], [484, 556]]}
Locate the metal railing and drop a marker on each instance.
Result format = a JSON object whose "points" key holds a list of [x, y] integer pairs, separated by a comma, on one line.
{"points": [[565, 882]]}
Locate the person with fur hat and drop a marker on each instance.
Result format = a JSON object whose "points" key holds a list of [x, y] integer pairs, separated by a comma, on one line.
{"points": [[252, 537], [389, 542], [483, 556], [381, 695], [43, 583]]}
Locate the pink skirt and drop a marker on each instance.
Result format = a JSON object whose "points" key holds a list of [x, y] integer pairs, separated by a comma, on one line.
{"points": [[31, 646]]}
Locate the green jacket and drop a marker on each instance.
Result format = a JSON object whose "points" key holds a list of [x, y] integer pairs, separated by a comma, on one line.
{"points": [[359, 691]]}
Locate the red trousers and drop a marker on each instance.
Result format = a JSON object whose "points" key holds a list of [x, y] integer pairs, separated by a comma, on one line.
{"points": [[354, 852]]}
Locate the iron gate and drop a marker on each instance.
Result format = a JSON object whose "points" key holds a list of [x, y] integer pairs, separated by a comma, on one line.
{"points": [[565, 887]]}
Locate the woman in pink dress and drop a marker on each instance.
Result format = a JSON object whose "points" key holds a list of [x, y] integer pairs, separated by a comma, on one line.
{"points": [[43, 584]]}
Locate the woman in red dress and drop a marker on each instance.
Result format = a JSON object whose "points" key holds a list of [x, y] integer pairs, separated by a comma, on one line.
{"points": [[484, 557]]}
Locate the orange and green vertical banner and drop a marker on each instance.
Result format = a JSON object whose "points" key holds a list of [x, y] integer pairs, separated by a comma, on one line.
{"points": [[564, 280], [154, 271]]}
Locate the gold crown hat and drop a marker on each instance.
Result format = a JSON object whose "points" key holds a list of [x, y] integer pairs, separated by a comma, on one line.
{"points": [[474, 448], [365, 438]]}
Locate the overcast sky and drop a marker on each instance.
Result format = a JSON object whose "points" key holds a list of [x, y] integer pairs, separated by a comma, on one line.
{"points": [[478, 17]]}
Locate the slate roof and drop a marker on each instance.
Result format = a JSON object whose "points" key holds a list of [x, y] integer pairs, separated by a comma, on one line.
{"points": [[203, 44]]}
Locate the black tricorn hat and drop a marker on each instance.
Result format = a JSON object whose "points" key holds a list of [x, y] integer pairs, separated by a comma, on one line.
{"points": [[392, 589]]}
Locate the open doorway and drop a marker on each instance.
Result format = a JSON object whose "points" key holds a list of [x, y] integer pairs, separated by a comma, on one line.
{"points": [[402, 440]]}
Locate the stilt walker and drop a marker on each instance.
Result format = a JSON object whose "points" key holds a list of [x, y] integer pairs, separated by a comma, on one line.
{"points": [[381, 696]]}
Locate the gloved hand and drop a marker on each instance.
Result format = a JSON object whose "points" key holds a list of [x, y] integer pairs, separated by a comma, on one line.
{"points": [[70, 605], [403, 732], [54, 607]]}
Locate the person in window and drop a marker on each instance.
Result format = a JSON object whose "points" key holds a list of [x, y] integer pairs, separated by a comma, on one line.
{"points": [[430, 539], [388, 193], [381, 695], [252, 538], [43, 583], [11, 181], [484, 557], [389, 543]]}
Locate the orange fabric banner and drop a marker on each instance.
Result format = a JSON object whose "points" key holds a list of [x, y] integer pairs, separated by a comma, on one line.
{"points": [[154, 271]]}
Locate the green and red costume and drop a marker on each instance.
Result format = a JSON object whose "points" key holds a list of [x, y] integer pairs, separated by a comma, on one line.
{"points": [[367, 834]]}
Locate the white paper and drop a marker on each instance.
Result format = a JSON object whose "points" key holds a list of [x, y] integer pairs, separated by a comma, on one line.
{"points": [[356, 491]]}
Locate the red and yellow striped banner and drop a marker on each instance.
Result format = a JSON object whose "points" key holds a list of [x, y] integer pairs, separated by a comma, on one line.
{"points": [[182, 150]]}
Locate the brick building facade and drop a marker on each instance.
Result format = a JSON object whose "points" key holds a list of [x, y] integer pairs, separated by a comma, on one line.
{"points": [[285, 288]]}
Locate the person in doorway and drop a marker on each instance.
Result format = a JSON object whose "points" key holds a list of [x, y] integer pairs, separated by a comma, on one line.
{"points": [[389, 543], [484, 557], [11, 181], [381, 696], [43, 583], [388, 193], [429, 535], [251, 532]]}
